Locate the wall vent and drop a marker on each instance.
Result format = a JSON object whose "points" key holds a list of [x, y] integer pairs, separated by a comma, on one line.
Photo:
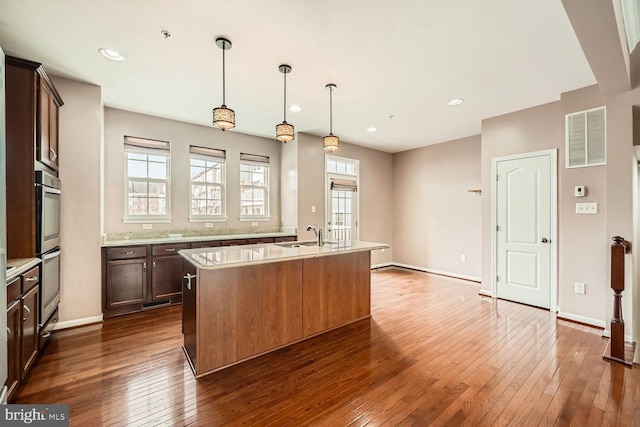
{"points": [[586, 138]]}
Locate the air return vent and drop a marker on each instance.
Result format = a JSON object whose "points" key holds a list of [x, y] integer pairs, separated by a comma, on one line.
{"points": [[586, 138]]}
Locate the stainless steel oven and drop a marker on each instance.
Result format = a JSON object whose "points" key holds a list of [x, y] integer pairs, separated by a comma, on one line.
{"points": [[49, 284], [47, 212], [48, 241]]}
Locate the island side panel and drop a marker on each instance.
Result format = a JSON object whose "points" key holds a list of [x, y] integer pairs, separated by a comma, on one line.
{"points": [[336, 291], [245, 311]]}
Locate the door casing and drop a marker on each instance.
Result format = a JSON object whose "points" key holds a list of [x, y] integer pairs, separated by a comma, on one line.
{"points": [[553, 266]]}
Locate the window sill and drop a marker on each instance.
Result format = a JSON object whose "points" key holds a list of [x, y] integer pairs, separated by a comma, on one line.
{"points": [[147, 220], [205, 219]]}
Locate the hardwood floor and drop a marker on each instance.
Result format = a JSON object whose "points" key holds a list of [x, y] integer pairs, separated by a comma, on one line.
{"points": [[433, 353]]}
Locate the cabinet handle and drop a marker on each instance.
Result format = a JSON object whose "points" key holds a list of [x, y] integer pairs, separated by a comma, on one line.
{"points": [[154, 266], [24, 319], [8, 331], [46, 335], [188, 280], [55, 155], [170, 250], [128, 253], [144, 267], [30, 279]]}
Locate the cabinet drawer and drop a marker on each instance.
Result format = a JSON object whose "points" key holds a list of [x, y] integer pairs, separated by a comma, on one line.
{"points": [[260, 240], [127, 252], [170, 249], [209, 244], [30, 278], [286, 239], [13, 290], [235, 242]]}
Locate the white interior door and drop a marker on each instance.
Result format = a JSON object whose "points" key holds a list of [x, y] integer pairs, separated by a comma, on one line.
{"points": [[524, 229]]}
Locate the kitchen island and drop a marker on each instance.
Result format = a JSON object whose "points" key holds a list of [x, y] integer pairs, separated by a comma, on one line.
{"points": [[243, 301]]}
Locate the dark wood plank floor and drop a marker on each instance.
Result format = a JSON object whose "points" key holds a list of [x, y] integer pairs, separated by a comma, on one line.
{"points": [[434, 353]]}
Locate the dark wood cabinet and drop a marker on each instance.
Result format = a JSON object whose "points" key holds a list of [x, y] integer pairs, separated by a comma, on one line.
{"points": [[126, 282], [30, 308], [14, 335], [23, 308], [144, 276], [32, 104]]}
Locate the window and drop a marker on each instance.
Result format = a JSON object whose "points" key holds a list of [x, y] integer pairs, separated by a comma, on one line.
{"points": [[207, 184], [586, 138], [146, 180], [342, 198], [254, 187]]}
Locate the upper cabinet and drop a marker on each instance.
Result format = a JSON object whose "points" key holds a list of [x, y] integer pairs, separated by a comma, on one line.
{"points": [[32, 104]]}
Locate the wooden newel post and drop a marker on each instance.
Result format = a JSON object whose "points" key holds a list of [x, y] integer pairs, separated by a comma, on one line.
{"points": [[617, 350]]}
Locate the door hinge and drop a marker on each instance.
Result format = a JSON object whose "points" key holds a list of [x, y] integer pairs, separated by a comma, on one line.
{"points": [[497, 228], [497, 177], [497, 278]]}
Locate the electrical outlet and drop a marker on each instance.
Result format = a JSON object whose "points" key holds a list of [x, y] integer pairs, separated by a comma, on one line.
{"points": [[147, 226], [581, 288], [463, 258], [254, 224], [587, 208], [208, 225], [313, 209]]}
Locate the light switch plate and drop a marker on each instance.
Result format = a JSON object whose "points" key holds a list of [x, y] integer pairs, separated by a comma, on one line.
{"points": [[581, 288], [587, 208]]}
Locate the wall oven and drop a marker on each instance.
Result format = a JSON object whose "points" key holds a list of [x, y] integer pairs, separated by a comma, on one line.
{"points": [[48, 241]]}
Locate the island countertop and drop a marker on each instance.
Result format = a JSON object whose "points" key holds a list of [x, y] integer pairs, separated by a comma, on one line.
{"points": [[237, 256]]}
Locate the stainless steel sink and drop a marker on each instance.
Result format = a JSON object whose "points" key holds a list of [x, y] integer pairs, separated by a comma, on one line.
{"points": [[300, 244]]}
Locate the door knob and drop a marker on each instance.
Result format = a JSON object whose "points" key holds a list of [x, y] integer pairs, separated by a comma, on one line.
{"points": [[545, 240]]}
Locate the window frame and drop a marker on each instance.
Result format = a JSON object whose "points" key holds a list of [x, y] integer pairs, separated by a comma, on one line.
{"points": [[223, 187], [138, 149], [266, 188]]}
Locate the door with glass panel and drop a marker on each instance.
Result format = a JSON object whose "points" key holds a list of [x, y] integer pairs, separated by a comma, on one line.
{"points": [[342, 198]]}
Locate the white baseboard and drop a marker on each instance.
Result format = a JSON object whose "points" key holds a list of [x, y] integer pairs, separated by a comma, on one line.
{"points": [[77, 322], [582, 319], [382, 265], [486, 293], [439, 272]]}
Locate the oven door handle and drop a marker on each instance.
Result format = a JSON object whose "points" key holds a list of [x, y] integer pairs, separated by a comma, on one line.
{"points": [[50, 189], [51, 255]]}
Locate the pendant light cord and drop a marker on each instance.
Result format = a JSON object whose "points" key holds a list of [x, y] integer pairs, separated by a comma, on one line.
{"points": [[224, 46], [330, 111], [284, 109]]}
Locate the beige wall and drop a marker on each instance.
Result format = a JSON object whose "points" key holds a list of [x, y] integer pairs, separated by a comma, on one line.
{"points": [[436, 220], [119, 123], [375, 191], [81, 122]]}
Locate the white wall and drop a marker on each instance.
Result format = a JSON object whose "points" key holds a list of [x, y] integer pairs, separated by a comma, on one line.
{"points": [[436, 219], [81, 131]]}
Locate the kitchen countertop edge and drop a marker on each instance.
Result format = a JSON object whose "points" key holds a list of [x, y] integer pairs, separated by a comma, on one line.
{"points": [[22, 265], [190, 239], [290, 253]]}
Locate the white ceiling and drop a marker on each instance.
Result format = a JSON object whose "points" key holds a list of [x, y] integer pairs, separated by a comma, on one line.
{"points": [[396, 63]]}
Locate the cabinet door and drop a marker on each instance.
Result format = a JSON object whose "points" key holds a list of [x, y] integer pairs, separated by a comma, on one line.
{"points": [[126, 282], [48, 128], [166, 279], [30, 306], [14, 333]]}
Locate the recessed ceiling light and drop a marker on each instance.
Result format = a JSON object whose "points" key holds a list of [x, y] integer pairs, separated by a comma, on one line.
{"points": [[295, 108], [111, 54], [456, 101], [371, 129]]}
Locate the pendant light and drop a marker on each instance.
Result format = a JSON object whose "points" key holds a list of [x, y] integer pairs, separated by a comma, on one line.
{"points": [[331, 142], [284, 131], [223, 118]]}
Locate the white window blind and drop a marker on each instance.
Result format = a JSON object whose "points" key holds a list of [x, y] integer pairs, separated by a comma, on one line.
{"points": [[343, 184], [586, 138]]}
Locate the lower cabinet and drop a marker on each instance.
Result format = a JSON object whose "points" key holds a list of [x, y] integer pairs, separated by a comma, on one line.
{"points": [[135, 278], [23, 307], [30, 309]]}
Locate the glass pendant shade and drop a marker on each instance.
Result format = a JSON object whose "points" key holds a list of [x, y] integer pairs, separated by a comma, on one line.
{"points": [[331, 143], [284, 132], [224, 118]]}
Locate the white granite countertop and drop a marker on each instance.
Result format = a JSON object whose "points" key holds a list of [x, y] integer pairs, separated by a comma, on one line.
{"points": [[186, 239], [20, 265], [237, 256]]}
